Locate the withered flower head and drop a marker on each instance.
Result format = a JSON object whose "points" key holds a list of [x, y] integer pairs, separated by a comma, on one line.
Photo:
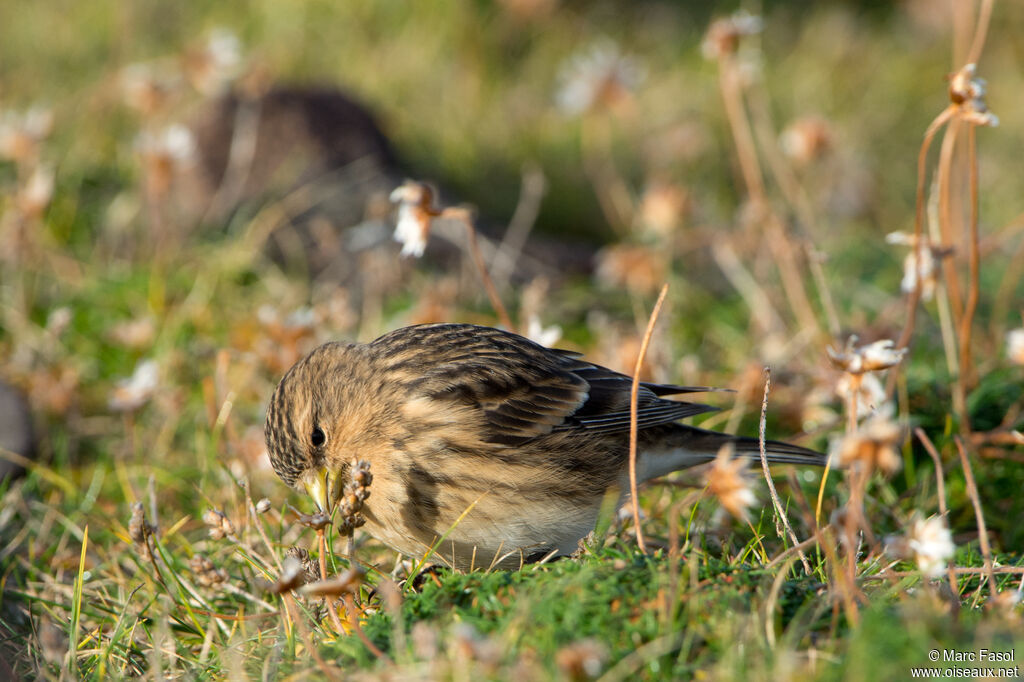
{"points": [[218, 523], [727, 480], [415, 212], [356, 492], [206, 573], [872, 447], [599, 78], [22, 132], [723, 36], [212, 66], [870, 358], [927, 541], [806, 139], [967, 92], [147, 87], [132, 393]]}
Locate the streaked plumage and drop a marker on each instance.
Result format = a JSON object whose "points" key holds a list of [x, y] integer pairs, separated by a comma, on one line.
{"points": [[457, 417]]}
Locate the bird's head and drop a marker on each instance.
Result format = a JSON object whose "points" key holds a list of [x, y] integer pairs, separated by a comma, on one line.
{"points": [[302, 428]]}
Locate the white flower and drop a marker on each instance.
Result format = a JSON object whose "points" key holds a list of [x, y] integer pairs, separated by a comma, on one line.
{"points": [[415, 212], [411, 230], [133, 392], [212, 67], [545, 336], [600, 77], [1015, 346], [21, 133], [174, 143], [932, 544], [870, 358]]}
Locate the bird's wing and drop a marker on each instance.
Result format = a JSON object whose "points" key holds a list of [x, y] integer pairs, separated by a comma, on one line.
{"points": [[523, 389]]}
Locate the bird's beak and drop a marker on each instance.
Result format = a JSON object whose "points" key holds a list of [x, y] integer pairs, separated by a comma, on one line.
{"points": [[319, 485]]}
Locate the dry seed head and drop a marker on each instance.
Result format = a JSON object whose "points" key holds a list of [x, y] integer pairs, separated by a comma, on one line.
{"points": [[600, 78], [870, 358], [663, 207], [967, 93], [357, 491], [640, 269], [147, 88], [139, 530], [22, 132], [263, 506], [806, 139], [310, 566], [727, 480], [136, 334], [218, 523], [871, 395], [723, 36], [206, 573], [872, 447], [163, 155], [212, 66]]}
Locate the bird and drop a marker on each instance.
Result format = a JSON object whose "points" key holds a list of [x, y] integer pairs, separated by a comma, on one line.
{"points": [[484, 446]]}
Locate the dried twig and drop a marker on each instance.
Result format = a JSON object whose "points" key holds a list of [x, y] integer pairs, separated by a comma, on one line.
{"points": [[463, 215], [780, 513], [634, 395]]}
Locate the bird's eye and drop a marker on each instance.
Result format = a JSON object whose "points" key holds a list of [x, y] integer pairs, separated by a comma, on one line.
{"points": [[318, 438]]}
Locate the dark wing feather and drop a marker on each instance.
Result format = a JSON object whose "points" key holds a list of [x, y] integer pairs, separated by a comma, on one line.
{"points": [[523, 389]]}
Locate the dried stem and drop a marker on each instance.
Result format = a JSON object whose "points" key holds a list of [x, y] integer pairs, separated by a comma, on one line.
{"points": [[945, 214], [478, 258], [289, 602], [972, 492], [974, 286], [732, 98], [321, 537], [634, 395], [780, 513], [980, 31], [353, 620], [915, 295]]}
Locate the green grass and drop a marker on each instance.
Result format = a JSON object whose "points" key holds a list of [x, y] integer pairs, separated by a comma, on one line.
{"points": [[467, 92]]}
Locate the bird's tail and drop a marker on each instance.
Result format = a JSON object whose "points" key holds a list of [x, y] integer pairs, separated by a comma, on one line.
{"points": [[687, 446]]}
